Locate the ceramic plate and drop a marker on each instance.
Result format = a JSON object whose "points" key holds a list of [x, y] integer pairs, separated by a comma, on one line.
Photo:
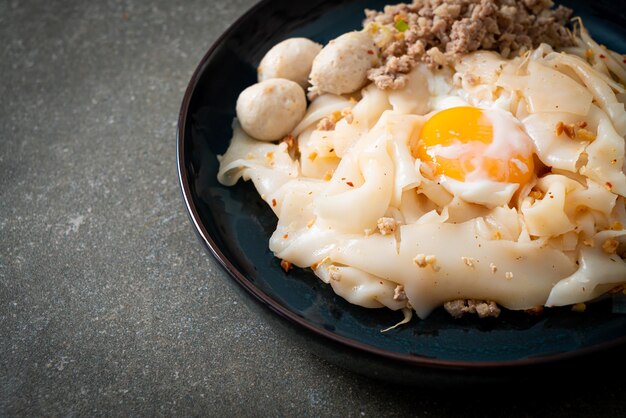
{"points": [[235, 225]]}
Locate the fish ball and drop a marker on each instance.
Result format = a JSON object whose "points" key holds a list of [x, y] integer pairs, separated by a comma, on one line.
{"points": [[291, 59], [269, 110], [342, 65]]}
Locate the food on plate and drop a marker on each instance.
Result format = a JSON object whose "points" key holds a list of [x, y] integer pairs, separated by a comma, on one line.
{"points": [[489, 177], [291, 59], [269, 110]]}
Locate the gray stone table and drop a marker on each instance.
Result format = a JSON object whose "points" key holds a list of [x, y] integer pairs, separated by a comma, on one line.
{"points": [[109, 305]]}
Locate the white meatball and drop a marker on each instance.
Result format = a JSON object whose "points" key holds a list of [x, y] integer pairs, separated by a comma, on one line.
{"points": [[341, 67], [269, 110], [290, 59]]}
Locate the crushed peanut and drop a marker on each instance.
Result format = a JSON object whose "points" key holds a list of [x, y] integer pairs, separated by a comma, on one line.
{"points": [[325, 124], [617, 226], [469, 261], [398, 293], [423, 260], [420, 260], [610, 246], [493, 268], [508, 275], [558, 129], [574, 131], [585, 135], [386, 225], [334, 273], [567, 129]]}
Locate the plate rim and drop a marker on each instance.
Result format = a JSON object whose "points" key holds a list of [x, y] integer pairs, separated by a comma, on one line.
{"points": [[295, 320]]}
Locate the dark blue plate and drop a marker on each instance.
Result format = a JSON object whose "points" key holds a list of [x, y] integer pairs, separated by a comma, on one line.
{"points": [[235, 225]]}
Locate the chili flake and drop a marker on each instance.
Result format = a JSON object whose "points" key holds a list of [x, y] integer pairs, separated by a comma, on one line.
{"points": [[286, 265]]}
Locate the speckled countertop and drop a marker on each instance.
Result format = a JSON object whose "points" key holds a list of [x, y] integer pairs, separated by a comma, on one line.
{"points": [[109, 305]]}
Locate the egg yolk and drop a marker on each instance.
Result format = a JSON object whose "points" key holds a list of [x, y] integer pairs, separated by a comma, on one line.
{"points": [[455, 143]]}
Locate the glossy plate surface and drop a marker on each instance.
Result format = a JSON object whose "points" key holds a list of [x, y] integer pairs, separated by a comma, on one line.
{"points": [[235, 224]]}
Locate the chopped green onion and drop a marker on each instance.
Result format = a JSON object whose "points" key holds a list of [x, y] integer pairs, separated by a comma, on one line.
{"points": [[401, 25]]}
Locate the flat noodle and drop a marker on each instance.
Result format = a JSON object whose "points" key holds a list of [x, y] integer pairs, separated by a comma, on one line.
{"points": [[357, 206]]}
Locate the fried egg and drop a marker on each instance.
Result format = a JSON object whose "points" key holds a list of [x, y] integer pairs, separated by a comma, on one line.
{"points": [[469, 144], [473, 149]]}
